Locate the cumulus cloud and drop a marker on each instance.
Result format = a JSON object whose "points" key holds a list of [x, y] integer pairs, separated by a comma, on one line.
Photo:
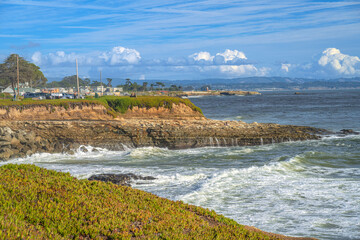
{"points": [[243, 70], [117, 56], [60, 57], [227, 57], [231, 55], [230, 63], [341, 63], [330, 63], [205, 56], [120, 55], [238, 69]]}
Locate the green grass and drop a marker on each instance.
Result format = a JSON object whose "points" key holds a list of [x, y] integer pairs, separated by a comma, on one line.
{"points": [[36, 203], [122, 104], [114, 105]]}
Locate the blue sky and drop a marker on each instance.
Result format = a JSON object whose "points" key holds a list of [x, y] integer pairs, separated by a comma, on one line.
{"points": [[184, 39]]}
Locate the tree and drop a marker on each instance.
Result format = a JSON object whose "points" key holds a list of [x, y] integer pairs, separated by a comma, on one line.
{"points": [[205, 88], [86, 82], [173, 88], [128, 82], [135, 87], [159, 84], [69, 81], [109, 82], [145, 85], [28, 73], [97, 83]]}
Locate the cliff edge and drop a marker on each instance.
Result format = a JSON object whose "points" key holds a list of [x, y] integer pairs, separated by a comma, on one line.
{"points": [[61, 126]]}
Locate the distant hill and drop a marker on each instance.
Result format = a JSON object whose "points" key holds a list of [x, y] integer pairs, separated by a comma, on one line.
{"points": [[255, 83]]}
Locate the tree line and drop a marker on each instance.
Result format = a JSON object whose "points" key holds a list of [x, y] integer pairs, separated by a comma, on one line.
{"points": [[28, 73]]}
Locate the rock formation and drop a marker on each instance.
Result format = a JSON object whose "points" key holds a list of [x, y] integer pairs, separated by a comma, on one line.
{"points": [[26, 130], [120, 179], [20, 138]]}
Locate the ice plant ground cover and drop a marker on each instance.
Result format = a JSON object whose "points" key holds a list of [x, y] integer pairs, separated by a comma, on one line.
{"points": [[36, 203]]}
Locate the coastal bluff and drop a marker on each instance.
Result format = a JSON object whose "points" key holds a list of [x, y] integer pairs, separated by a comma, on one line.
{"points": [[170, 123], [105, 210]]}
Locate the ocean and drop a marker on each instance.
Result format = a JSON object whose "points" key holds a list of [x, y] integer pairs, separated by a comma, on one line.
{"points": [[308, 188]]}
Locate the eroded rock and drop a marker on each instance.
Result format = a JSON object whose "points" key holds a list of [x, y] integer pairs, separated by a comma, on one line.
{"points": [[120, 179]]}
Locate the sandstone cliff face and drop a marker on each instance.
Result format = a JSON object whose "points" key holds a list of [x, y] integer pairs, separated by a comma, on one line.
{"points": [[20, 138], [180, 111], [79, 112], [94, 112]]}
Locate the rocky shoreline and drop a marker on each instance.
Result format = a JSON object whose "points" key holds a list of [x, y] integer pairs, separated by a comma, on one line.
{"points": [[217, 93], [22, 138]]}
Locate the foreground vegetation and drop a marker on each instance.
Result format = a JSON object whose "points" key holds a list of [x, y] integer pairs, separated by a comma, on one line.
{"points": [[36, 203], [115, 105]]}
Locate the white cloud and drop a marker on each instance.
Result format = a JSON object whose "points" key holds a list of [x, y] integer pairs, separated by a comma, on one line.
{"points": [[36, 58], [117, 56], [229, 63], [120, 54], [231, 55], [243, 70], [238, 69], [341, 63], [61, 57], [206, 56], [285, 67], [227, 57]]}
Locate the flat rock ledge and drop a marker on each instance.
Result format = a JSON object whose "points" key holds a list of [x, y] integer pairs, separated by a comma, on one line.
{"points": [[119, 179], [24, 138]]}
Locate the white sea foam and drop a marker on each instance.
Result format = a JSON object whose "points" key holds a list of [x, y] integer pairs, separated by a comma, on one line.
{"points": [[336, 136], [285, 193], [199, 96], [289, 190]]}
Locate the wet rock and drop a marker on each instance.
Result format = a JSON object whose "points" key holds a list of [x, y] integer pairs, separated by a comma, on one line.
{"points": [[95, 150], [348, 131], [83, 149], [29, 153], [120, 179], [71, 152]]}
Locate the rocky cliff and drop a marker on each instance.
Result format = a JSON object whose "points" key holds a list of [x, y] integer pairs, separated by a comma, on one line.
{"points": [[91, 111], [20, 138]]}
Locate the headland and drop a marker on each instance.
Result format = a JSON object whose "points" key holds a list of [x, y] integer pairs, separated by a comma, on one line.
{"points": [[29, 127]]}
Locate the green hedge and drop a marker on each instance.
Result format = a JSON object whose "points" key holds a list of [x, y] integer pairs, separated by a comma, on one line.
{"points": [[36, 203]]}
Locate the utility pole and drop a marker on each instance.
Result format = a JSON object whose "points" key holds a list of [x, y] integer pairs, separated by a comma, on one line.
{"points": [[77, 80], [101, 85], [18, 75]]}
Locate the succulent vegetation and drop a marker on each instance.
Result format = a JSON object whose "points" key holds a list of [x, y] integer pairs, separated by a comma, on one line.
{"points": [[36, 203], [114, 105]]}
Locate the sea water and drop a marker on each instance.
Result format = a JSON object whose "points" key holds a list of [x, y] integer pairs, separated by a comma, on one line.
{"points": [[308, 188]]}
